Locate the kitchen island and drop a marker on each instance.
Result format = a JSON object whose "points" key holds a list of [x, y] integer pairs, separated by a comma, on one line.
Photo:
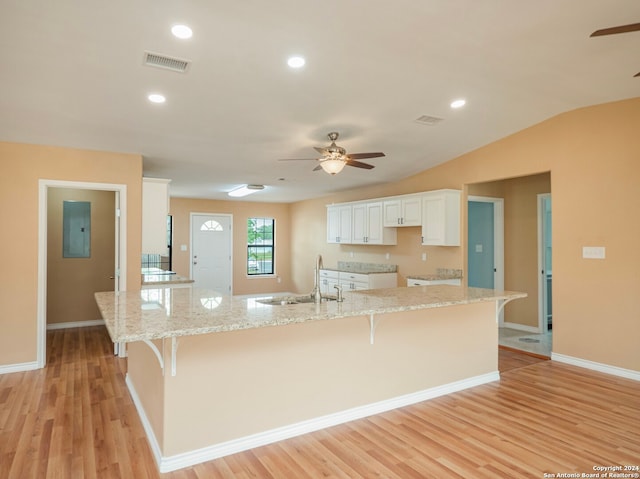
{"points": [[212, 374]]}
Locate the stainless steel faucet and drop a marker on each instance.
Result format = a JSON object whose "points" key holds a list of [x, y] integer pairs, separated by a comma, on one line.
{"points": [[316, 294]]}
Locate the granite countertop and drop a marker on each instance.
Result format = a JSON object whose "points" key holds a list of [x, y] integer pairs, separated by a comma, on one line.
{"points": [[173, 312]]}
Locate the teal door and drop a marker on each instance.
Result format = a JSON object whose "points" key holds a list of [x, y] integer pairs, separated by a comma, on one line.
{"points": [[481, 245]]}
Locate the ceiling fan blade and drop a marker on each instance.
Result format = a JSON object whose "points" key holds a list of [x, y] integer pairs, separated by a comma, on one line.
{"points": [[361, 156], [359, 164], [633, 27], [298, 159], [636, 75], [321, 150], [317, 168]]}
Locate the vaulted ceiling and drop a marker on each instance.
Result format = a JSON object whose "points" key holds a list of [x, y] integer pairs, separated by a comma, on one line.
{"points": [[73, 75]]}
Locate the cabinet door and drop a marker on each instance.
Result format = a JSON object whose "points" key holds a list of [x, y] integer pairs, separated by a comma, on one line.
{"points": [[412, 211], [441, 218], [359, 222], [333, 224], [374, 225], [339, 224], [392, 212], [155, 208]]}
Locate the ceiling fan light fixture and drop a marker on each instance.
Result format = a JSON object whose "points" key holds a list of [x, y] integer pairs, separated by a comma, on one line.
{"points": [[245, 190], [332, 166]]}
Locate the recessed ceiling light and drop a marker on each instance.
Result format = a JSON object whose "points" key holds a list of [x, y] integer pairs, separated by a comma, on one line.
{"points": [[156, 98], [458, 103], [182, 31], [296, 62]]}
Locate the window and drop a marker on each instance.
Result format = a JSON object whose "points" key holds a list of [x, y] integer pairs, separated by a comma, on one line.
{"points": [[260, 243]]}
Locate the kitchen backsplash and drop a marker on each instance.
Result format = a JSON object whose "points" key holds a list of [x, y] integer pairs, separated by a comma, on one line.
{"points": [[355, 267]]}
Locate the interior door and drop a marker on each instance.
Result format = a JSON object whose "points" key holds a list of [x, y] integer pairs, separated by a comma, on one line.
{"points": [[481, 255], [211, 238]]}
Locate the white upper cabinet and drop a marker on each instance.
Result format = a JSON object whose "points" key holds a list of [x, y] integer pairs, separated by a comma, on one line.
{"points": [[155, 208], [339, 224], [368, 228], [441, 218], [403, 211]]}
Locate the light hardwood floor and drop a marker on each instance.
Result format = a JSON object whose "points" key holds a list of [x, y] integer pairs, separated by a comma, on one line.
{"points": [[75, 419]]}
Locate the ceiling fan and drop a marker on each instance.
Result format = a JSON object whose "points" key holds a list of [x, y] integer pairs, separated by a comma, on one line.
{"points": [[334, 158], [633, 27]]}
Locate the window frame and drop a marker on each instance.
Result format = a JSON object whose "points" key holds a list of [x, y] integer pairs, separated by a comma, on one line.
{"points": [[257, 272]]}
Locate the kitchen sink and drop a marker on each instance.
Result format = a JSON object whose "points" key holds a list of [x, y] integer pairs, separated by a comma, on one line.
{"points": [[284, 300]]}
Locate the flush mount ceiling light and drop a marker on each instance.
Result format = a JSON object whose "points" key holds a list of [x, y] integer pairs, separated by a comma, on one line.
{"points": [[296, 62], [156, 98], [458, 103], [182, 31], [245, 190], [333, 166]]}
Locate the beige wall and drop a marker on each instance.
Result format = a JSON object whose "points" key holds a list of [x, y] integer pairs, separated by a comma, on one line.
{"points": [[265, 378], [71, 282], [592, 156], [22, 166], [181, 208]]}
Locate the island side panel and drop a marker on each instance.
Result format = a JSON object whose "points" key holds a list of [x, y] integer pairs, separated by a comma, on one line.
{"points": [[234, 384], [145, 377]]}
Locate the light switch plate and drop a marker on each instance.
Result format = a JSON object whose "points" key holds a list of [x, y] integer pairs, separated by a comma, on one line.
{"points": [[593, 252], [183, 247], [478, 248]]}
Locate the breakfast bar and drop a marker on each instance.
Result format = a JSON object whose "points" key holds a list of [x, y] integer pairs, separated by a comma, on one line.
{"points": [[250, 371]]}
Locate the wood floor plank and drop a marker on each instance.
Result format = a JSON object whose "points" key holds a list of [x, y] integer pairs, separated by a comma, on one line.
{"points": [[75, 419]]}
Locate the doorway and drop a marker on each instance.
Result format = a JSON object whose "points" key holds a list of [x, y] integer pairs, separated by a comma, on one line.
{"points": [[211, 240], [485, 254], [120, 255]]}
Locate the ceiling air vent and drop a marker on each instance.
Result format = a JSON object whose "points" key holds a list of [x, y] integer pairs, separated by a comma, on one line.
{"points": [[168, 63], [428, 120]]}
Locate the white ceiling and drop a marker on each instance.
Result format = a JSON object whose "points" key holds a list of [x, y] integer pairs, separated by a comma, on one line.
{"points": [[72, 75]]}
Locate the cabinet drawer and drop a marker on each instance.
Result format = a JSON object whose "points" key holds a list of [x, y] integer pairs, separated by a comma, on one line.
{"points": [[328, 274]]}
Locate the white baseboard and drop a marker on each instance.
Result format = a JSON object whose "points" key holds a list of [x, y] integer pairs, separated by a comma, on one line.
{"points": [[600, 367], [151, 437], [191, 458], [19, 367], [75, 324], [520, 327]]}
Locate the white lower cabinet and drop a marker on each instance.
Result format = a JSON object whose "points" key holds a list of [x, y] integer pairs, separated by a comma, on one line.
{"points": [[430, 282], [355, 281]]}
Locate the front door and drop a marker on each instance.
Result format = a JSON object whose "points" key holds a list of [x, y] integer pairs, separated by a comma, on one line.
{"points": [[211, 237]]}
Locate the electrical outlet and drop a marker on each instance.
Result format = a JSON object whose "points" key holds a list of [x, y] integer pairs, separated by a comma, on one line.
{"points": [[183, 247], [424, 256], [387, 256], [593, 252]]}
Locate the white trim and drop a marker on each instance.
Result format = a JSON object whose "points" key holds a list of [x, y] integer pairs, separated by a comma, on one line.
{"points": [[121, 249], [19, 367], [215, 451], [75, 324], [600, 367], [520, 327], [542, 276], [151, 437]]}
